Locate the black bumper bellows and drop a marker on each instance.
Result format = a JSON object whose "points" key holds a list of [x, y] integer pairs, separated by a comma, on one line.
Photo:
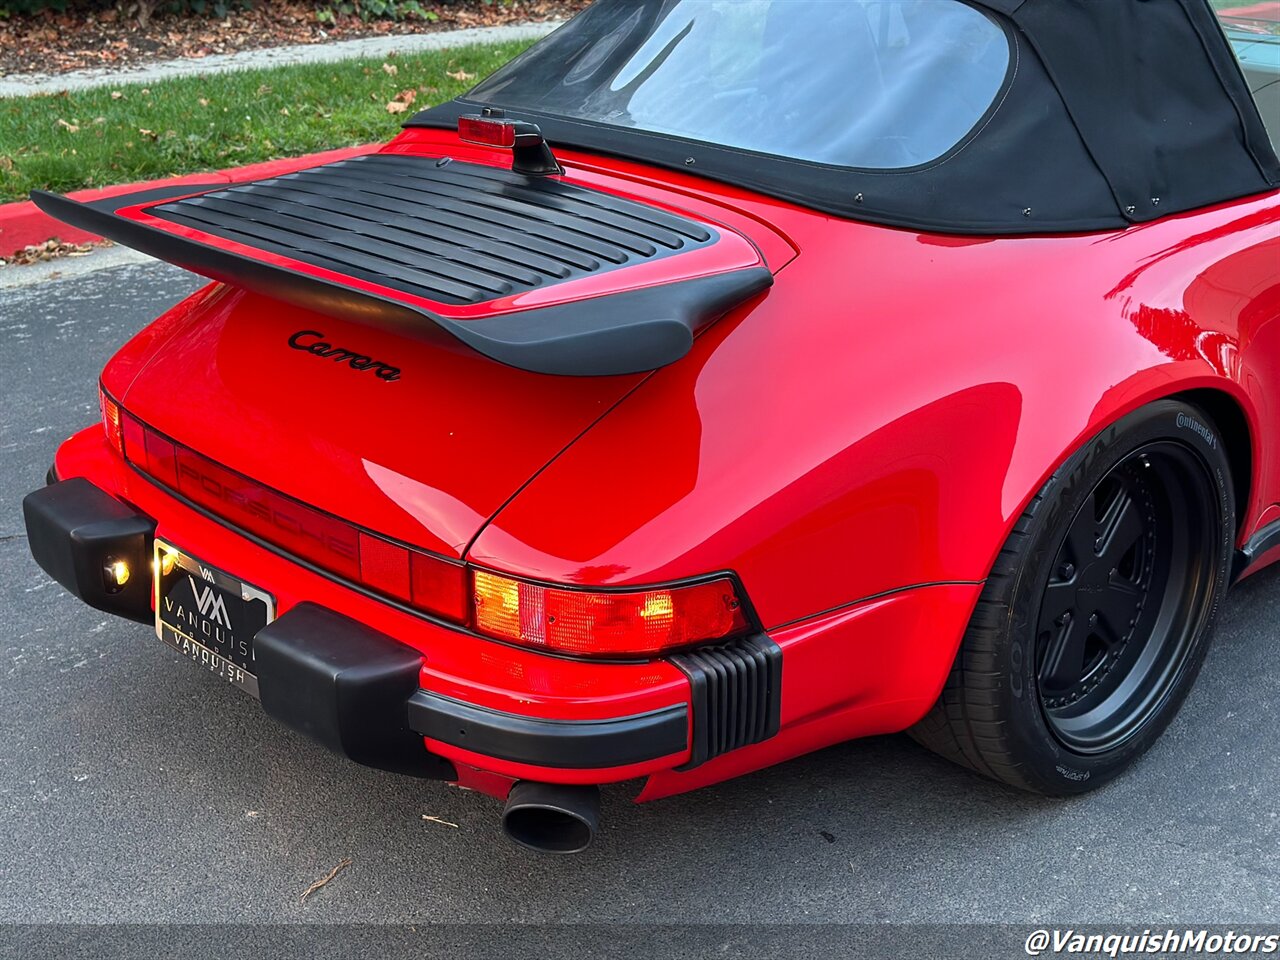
{"points": [[737, 694]]}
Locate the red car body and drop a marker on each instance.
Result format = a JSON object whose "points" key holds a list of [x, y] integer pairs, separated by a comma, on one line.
{"points": [[853, 445]]}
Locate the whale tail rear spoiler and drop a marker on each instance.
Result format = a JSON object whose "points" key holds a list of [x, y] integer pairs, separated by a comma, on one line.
{"points": [[538, 273]]}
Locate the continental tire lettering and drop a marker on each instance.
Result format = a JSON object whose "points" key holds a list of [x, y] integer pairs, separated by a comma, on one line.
{"points": [[1195, 426]]}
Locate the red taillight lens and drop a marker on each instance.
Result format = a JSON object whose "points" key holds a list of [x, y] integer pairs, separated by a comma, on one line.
{"points": [[600, 623], [492, 133], [419, 579], [555, 619], [111, 421]]}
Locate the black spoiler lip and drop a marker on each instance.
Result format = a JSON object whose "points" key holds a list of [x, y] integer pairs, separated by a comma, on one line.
{"points": [[627, 332]]}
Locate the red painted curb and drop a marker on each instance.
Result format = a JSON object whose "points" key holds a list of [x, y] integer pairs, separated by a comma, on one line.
{"points": [[22, 224]]}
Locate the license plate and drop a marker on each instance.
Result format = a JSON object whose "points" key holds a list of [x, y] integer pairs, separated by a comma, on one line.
{"points": [[208, 615]]}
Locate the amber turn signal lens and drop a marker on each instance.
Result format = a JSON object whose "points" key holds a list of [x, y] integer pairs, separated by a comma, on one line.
{"points": [[111, 421], [606, 623]]}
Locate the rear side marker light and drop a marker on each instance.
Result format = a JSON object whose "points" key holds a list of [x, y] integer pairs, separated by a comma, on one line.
{"points": [[606, 623]]}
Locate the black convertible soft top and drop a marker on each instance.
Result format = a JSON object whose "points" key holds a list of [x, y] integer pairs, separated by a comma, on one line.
{"points": [[1113, 112]]}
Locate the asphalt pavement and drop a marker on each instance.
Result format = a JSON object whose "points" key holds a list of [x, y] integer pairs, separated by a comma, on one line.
{"points": [[135, 788]]}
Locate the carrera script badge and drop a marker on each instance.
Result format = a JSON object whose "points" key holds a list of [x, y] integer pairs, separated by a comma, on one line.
{"points": [[313, 342]]}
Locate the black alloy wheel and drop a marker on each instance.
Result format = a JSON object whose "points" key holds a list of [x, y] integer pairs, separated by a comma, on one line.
{"points": [[1096, 617], [1125, 596]]}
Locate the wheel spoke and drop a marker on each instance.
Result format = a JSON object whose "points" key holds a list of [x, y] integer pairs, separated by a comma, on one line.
{"points": [[1059, 599], [1064, 656], [1124, 586], [1115, 609], [1123, 601], [1121, 527], [1080, 537]]}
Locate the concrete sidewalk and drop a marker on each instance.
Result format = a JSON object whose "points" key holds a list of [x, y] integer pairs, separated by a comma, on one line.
{"points": [[15, 85]]}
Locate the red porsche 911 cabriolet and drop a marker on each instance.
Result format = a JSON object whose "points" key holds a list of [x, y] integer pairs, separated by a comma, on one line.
{"points": [[716, 382]]}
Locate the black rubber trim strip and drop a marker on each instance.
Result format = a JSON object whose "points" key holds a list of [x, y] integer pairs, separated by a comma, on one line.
{"points": [[152, 195], [620, 333], [1261, 543], [876, 596], [566, 744]]}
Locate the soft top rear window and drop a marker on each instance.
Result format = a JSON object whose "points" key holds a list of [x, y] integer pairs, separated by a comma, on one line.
{"points": [[872, 84]]}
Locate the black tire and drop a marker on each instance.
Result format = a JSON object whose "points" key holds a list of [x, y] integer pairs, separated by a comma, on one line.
{"points": [[1012, 708]]}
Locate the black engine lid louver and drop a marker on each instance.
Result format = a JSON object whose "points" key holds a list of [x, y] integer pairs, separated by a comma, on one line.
{"points": [[456, 233], [398, 240]]}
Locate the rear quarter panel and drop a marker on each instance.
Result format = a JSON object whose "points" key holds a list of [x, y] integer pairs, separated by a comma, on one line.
{"points": [[881, 418]]}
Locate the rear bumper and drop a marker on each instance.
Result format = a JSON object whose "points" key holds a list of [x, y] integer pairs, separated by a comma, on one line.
{"points": [[356, 691], [343, 683], [499, 713]]}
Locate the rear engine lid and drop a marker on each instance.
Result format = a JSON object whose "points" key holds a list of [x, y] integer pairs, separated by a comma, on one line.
{"points": [[416, 438]]}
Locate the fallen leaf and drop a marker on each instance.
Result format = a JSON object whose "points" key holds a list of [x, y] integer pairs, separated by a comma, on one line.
{"points": [[406, 96], [6, 164], [342, 865], [390, 69], [461, 75], [204, 101], [148, 134], [69, 127], [263, 90], [284, 111], [50, 250], [395, 106], [117, 95]]}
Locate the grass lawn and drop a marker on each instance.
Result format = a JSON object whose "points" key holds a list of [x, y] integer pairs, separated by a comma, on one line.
{"points": [[94, 138]]}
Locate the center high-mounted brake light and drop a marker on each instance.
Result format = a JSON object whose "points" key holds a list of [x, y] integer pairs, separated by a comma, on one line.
{"points": [[488, 131], [530, 154], [572, 621]]}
